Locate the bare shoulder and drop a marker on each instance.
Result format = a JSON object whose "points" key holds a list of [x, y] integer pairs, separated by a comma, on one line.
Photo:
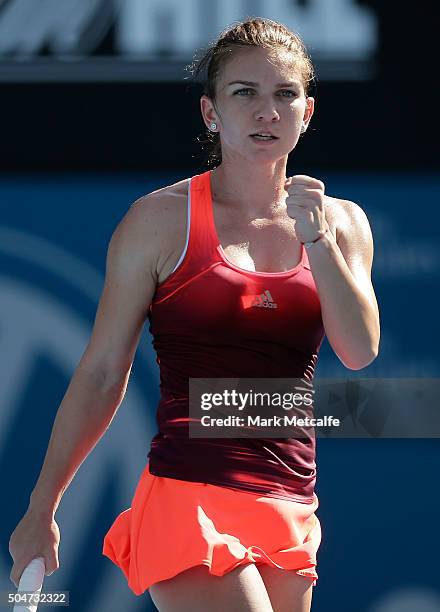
{"points": [[334, 214], [160, 206], [160, 219], [345, 217]]}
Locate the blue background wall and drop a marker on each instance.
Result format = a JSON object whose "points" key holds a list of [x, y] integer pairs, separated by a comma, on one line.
{"points": [[379, 499]]}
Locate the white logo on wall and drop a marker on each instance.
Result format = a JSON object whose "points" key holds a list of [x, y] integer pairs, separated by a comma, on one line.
{"points": [[35, 323], [149, 27]]}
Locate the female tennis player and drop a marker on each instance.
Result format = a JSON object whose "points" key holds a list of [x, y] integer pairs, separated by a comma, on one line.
{"points": [[241, 271]]}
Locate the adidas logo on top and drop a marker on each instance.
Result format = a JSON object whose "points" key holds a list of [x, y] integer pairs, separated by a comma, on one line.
{"points": [[262, 300]]}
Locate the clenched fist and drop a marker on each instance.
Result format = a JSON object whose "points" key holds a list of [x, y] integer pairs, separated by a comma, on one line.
{"points": [[305, 204]]}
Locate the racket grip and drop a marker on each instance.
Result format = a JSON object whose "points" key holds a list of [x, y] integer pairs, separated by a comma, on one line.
{"points": [[31, 580]]}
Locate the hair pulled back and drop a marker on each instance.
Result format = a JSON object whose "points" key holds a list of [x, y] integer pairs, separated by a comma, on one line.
{"points": [[252, 32]]}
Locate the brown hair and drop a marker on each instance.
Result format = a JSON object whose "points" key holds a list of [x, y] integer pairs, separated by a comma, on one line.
{"points": [[252, 32]]}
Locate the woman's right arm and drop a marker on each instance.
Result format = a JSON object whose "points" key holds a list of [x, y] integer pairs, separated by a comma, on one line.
{"points": [[98, 385]]}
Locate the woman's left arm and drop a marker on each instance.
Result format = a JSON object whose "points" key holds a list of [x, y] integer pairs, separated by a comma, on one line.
{"points": [[341, 268]]}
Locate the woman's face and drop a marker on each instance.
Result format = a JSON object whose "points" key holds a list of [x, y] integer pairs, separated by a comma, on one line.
{"points": [[258, 90]]}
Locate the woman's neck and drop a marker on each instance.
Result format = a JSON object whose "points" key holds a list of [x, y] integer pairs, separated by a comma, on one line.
{"points": [[258, 192]]}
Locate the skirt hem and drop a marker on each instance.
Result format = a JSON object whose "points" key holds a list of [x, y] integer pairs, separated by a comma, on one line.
{"points": [[174, 525]]}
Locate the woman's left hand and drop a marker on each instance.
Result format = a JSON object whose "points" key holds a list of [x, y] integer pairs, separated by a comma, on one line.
{"points": [[305, 204]]}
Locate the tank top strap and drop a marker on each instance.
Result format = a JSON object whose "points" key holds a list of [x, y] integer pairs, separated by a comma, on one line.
{"points": [[200, 252], [204, 242]]}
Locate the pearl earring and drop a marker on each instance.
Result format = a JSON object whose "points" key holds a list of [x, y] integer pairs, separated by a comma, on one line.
{"points": [[213, 126]]}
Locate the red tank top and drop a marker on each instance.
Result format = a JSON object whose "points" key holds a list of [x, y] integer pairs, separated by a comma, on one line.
{"points": [[213, 319]]}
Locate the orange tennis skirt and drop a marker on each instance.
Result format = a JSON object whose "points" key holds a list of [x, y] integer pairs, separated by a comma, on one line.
{"points": [[173, 525]]}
